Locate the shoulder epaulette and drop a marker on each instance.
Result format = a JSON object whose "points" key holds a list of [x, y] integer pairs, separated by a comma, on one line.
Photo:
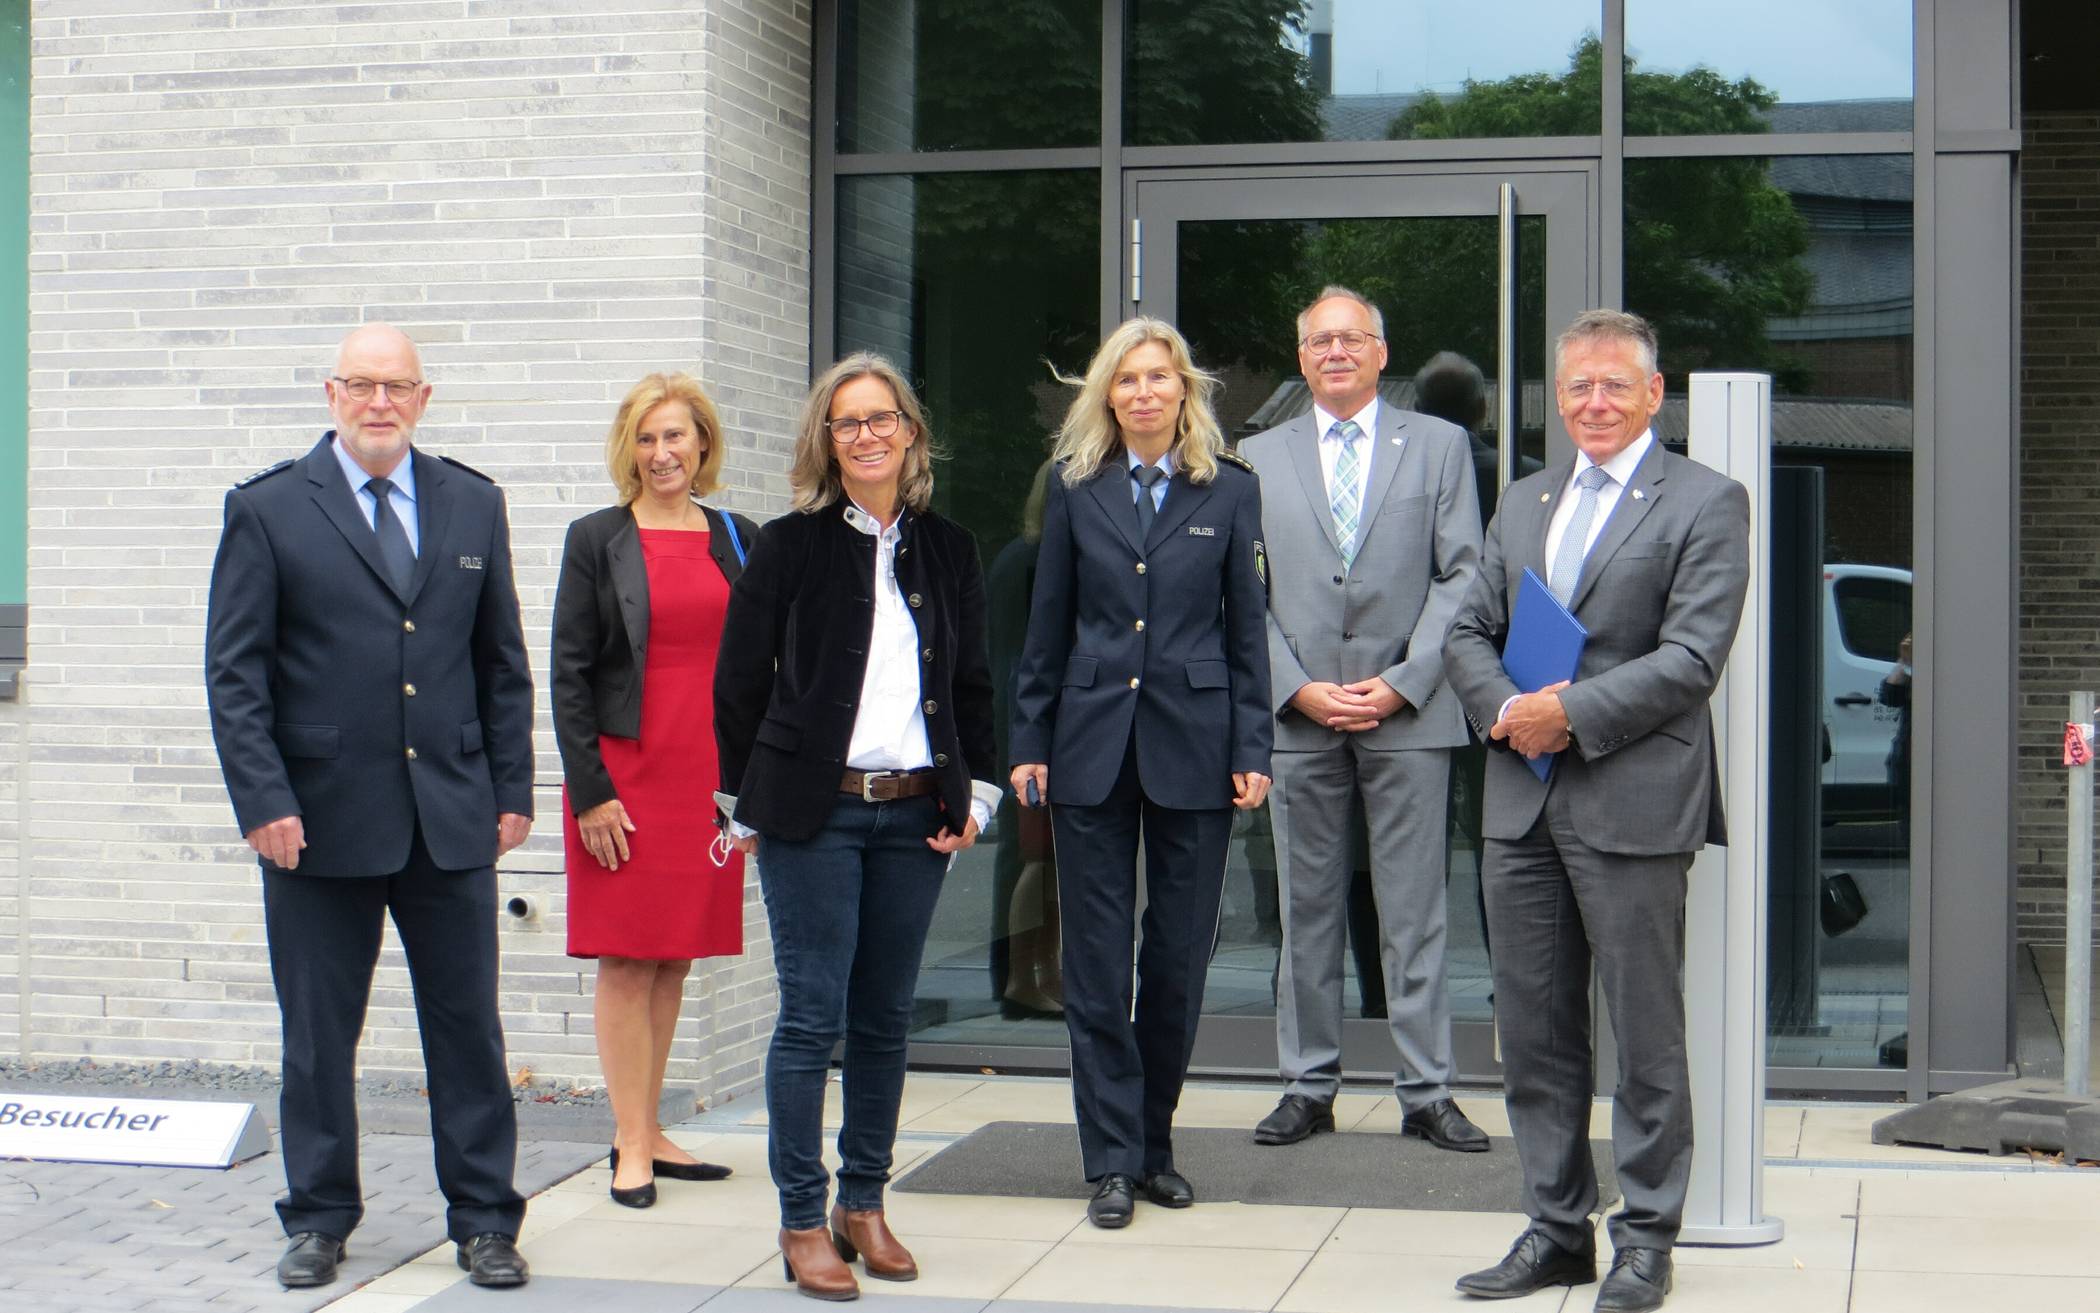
{"points": [[462, 465], [1234, 458], [262, 474]]}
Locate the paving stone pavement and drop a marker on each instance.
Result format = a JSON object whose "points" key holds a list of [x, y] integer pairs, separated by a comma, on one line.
{"points": [[83, 1238]]}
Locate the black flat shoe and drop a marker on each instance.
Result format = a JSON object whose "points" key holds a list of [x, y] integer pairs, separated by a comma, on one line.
{"points": [[1533, 1263], [671, 1171], [492, 1259], [310, 1260], [1115, 1199], [633, 1196]]}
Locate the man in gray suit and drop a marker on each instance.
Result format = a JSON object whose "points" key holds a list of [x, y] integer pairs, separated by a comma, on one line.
{"points": [[1651, 553], [1373, 533]]}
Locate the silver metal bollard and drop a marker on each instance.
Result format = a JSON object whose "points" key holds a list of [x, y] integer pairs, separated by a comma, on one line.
{"points": [[2078, 918]]}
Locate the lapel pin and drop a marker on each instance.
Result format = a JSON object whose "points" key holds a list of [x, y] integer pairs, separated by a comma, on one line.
{"points": [[1545, 497], [1638, 495], [1398, 442]]}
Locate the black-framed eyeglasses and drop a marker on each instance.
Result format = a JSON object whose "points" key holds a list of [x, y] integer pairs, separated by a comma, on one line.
{"points": [[883, 424], [398, 390], [1353, 340]]}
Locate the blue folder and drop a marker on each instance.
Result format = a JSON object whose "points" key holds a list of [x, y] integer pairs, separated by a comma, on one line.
{"points": [[1544, 647]]}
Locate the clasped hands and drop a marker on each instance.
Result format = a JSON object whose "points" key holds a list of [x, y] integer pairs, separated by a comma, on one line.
{"points": [[1349, 708], [1249, 788], [1535, 724], [279, 842]]}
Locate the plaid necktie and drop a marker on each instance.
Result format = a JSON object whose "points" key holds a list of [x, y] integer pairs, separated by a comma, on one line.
{"points": [[1346, 500]]}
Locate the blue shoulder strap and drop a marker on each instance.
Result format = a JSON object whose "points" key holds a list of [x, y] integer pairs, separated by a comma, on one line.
{"points": [[735, 541]]}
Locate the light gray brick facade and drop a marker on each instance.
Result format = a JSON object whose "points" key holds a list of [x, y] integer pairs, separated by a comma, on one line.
{"points": [[553, 197]]}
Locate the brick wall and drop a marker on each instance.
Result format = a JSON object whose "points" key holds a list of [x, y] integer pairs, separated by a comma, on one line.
{"points": [[553, 197], [2059, 484]]}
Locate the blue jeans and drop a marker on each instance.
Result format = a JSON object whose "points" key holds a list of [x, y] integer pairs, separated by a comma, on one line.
{"points": [[849, 908]]}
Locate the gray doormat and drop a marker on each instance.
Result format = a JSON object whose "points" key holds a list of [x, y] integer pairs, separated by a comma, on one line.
{"points": [[1356, 1169]]}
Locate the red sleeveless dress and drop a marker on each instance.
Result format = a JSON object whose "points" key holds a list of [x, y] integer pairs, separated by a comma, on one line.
{"points": [[669, 900]]}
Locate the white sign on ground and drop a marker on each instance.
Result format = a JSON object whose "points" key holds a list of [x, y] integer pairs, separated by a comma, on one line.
{"points": [[142, 1132]]}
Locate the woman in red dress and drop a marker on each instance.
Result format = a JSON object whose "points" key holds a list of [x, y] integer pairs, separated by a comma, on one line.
{"points": [[637, 621]]}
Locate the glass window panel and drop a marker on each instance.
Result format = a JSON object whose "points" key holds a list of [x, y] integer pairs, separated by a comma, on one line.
{"points": [[965, 75], [970, 282], [1720, 66], [1802, 267], [1215, 72]]}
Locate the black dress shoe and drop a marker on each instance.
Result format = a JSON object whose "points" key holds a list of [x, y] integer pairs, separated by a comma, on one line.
{"points": [[1113, 1202], [310, 1260], [492, 1259], [1169, 1189], [1296, 1116], [1638, 1280], [1533, 1263], [1443, 1125]]}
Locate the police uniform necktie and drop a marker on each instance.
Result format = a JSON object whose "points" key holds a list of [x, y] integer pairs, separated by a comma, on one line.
{"points": [[1567, 561], [1148, 477], [1346, 499], [394, 550]]}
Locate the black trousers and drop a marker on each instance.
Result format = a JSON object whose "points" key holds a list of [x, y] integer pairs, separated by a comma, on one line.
{"points": [[1128, 1063], [324, 942]]}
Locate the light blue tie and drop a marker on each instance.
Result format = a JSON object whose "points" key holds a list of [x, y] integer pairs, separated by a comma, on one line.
{"points": [[1567, 561], [1347, 498]]}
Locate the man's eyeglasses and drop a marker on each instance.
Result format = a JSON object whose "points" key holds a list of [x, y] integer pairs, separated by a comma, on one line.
{"points": [[1353, 340], [883, 424], [1581, 389], [398, 390]]}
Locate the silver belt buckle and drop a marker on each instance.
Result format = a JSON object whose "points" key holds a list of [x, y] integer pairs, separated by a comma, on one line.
{"points": [[867, 783]]}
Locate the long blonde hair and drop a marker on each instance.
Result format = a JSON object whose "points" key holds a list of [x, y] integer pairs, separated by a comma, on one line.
{"points": [[653, 391], [813, 478], [1089, 439]]}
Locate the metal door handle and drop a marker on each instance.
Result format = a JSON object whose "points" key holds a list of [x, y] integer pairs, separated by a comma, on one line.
{"points": [[1853, 700]]}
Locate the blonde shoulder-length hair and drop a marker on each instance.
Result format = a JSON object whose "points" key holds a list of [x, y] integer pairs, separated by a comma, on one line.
{"points": [[813, 479], [1090, 440], [653, 391]]}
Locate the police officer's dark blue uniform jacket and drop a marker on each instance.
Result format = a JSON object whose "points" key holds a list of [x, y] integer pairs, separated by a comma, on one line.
{"points": [[1127, 633], [356, 707], [806, 604]]}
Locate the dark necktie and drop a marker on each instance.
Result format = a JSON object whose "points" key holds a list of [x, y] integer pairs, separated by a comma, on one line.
{"points": [[394, 550], [1147, 476]]}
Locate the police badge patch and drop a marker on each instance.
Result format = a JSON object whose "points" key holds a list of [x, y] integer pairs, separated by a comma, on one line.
{"points": [[1261, 564]]}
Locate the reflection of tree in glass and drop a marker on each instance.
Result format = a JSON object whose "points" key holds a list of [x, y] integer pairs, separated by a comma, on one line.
{"points": [[1712, 247], [1005, 76], [1182, 54]]}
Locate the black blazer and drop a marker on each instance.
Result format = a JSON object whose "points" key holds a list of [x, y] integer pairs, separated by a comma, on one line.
{"points": [[366, 712], [1166, 639], [601, 629], [795, 650]]}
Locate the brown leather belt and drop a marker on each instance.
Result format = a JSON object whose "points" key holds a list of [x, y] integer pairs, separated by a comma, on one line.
{"points": [[890, 785]]}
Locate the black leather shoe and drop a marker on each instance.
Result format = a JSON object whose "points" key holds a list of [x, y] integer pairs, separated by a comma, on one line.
{"points": [[1533, 1263], [1113, 1202], [492, 1259], [671, 1171], [1296, 1116], [310, 1260], [1443, 1125], [1638, 1280], [1169, 1189]]}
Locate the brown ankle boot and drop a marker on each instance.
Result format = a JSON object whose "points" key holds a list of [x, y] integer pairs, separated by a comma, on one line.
{"points": [[808, 1259], [866, 1235]]}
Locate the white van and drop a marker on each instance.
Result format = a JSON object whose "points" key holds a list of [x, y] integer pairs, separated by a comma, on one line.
{"points": [[1866, 614]]}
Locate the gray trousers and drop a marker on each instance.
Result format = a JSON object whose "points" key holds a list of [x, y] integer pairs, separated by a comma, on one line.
{"points": [[1405, 794], [1555, 906]]}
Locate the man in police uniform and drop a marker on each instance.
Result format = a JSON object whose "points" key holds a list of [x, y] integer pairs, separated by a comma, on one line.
{"points": [[372, 706]]}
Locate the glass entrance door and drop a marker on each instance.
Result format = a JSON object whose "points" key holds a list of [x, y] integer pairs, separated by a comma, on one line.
{"points": [[1471, 265]]}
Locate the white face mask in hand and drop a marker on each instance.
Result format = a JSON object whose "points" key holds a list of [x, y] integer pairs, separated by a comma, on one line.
{"points": [[719, 849]]}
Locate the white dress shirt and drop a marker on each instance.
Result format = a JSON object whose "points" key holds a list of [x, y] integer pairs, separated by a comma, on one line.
{"points": [[1618, 472], [402, 498], [1331, 446]]}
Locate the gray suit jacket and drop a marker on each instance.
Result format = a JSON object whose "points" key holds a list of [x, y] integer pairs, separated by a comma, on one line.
{"points": [[1660, 593], [1418, 549]]}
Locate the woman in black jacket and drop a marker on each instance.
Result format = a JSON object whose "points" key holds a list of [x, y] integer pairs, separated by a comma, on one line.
{"points": [[637, 620], [853, 704]]}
